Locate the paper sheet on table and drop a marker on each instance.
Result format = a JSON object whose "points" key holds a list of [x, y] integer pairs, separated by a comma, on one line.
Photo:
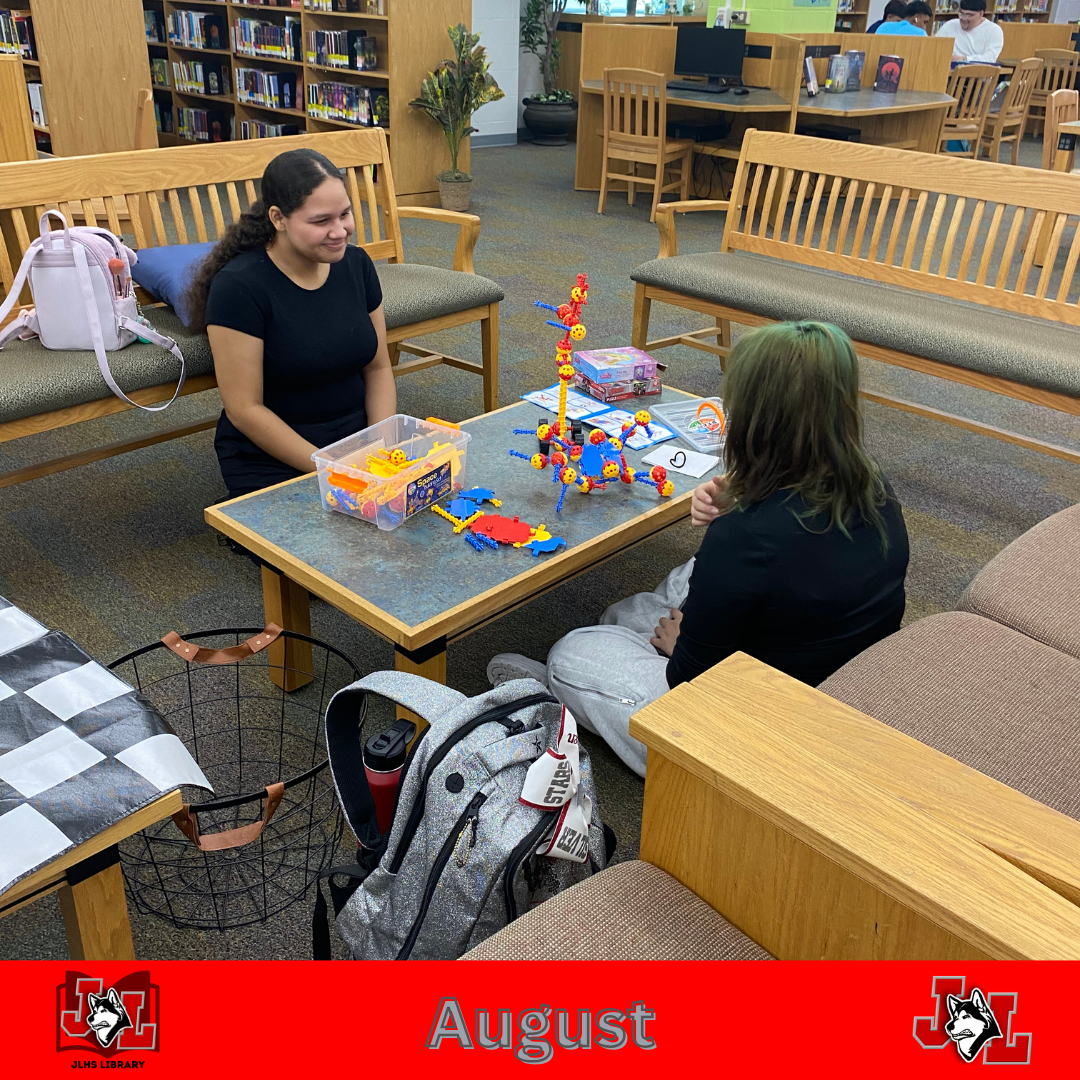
{"points": [[677, 460], [611, 423], [578, 405]]}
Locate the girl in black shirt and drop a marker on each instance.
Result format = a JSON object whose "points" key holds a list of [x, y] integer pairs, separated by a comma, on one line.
{"points": [[802, 564], [295, 321]]}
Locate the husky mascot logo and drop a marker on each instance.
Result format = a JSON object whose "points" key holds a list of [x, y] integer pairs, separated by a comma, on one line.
{"points": [[971, 1024], [106, 1015]]}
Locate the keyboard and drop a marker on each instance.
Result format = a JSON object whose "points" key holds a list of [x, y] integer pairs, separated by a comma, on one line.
{"points": [[704, 88]]}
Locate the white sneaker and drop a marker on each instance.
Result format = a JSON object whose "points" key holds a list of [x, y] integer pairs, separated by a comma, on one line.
{"points": [[507, 666]]}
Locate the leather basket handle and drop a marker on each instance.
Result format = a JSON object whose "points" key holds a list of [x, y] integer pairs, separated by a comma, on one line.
{"points": [[188, 824], [195, 654]]}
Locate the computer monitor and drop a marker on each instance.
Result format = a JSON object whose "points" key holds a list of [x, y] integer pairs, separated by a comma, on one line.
{"points": [[711, 51]]}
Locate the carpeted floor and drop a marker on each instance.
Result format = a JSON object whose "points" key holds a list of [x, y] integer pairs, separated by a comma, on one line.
{"points": [[117, 553]]}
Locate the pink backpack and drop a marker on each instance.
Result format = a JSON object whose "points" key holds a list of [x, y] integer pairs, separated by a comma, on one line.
{"points": [[73, 265]]}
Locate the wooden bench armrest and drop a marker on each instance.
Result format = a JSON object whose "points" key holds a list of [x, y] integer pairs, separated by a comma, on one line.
{"points": [[468, 234], [665, 220]]}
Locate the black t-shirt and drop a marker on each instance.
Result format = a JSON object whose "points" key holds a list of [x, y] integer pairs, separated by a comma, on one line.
{"points": [[316, 343], [801, 601]]}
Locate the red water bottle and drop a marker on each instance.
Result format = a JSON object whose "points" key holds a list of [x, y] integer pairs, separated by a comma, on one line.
{"points": [[384, 756]]}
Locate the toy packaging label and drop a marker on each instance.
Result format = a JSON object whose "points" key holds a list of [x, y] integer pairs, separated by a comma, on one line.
{"points": [[619, 391], [611, 423], [615, 365], [428, 489]]}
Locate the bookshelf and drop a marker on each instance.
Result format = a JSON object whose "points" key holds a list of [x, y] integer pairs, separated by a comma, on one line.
{"points": [[409, 40], [91, 106], [1028, 11], [852, 16]]}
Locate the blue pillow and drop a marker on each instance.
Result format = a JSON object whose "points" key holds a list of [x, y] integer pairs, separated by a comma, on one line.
{"points": [[166, 271]]}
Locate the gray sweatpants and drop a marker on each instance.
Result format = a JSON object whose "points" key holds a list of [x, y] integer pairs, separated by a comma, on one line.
{"points": [[604, 674]]}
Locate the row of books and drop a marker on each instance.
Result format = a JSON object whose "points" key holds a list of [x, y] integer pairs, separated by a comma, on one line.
{"points": [[38, 113], [270, 89], [341, 48], [252, 37], [17, 34], [343, 101], [274, 3], [255, 129], [202, 76], [163, 117], [205, 125], [197, 29], [358, 7], [154, 21]]}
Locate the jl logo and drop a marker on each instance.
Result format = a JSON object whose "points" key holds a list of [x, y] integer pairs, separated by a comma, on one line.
{"points": [[104, 1019], [976, 1024]]}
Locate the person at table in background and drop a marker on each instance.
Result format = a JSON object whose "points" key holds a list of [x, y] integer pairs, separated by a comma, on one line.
{"points": [[894, 12], [918, 16], [803, 560], [976, 40], [295, 320]]}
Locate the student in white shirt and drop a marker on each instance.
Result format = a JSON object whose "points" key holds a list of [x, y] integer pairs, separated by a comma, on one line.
{"points": [[976, 39]]}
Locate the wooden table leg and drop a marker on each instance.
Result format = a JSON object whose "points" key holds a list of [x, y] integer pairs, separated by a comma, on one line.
{"points": [[430, 661], [95, 910], [288, 605]]}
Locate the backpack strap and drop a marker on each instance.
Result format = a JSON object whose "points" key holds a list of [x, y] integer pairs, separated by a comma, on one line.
{"points": [[24, 325], [86, 285], [12, 297]]}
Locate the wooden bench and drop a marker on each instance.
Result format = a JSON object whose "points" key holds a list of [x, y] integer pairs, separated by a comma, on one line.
{"points": [[928, 263], [186, 194]]}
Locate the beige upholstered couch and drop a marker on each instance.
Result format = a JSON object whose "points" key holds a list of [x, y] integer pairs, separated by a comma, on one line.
{"points": [[994, 684]]}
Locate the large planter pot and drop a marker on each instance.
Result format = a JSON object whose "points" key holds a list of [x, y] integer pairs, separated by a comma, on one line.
{"points": [[550, 121], [455, 194]]}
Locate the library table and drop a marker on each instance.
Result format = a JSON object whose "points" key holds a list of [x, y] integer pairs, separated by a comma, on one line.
{"points": [[420, 585]]}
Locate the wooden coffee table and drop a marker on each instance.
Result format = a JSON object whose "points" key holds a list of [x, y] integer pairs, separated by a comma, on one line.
{"points": [[420, 586]]}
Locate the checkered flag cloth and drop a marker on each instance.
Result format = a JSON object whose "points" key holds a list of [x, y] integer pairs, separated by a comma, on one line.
{"points": [[79, 748]]}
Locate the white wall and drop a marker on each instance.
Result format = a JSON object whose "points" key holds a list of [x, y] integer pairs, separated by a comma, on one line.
{"points": [[497, 23]]}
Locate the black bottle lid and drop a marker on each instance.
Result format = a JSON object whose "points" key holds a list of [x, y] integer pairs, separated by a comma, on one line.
{"points": [[386, 751]]}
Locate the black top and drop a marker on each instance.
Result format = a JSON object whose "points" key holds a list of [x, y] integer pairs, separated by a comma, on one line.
{"points": [[316, 343], [804, 602]]}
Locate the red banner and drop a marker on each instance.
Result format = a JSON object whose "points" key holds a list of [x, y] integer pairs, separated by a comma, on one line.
{"points": [[238, 1020]]}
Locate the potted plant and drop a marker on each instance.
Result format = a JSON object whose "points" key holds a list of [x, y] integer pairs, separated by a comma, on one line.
{"points": [[552, 115], [450, 95]]}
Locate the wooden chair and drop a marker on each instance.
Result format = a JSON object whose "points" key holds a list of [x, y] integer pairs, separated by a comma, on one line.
{"points": [[1060, 69], [635, 130], [1061, 106], [1008, 124], [973, 87]]}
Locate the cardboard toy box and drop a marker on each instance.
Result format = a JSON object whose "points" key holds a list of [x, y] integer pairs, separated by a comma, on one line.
{"points": [[619, 391], [615, 365]]}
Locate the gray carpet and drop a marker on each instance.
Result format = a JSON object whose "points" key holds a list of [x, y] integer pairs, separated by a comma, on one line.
{"points": [[117, 553]]}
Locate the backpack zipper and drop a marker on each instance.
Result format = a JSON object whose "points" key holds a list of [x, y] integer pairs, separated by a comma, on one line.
{"points": [[594, 690], [466, 824], [529, 844], [499, 714]]}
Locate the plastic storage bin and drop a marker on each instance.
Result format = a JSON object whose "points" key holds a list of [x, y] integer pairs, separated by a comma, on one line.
{"points": [[389, 471]]}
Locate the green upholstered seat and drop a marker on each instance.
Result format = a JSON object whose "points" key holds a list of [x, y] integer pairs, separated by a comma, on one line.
{"points": [[1027, 350], [35, 380], [413, 293]]}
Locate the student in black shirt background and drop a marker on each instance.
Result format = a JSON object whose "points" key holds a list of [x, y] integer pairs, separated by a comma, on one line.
{"points": [[803, 560], [295, 321]]}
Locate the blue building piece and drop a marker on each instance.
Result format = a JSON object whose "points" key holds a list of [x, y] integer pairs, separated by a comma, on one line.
{"points": [[473, 541], [479, 495], [552, 543]]}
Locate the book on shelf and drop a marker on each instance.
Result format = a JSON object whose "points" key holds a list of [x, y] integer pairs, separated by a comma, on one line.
{"points": [[354, 7], [197, 29], [17, 34], [38, 113], [889, 69], [163, 117], [340, 101], [253, 37], [204, 125], [159, 72], [256, 129], [154, 22], [211, 77], [270, 89], [347, 49]]}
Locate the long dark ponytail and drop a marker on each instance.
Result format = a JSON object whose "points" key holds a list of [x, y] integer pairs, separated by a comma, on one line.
{"points": [[287, 182]]}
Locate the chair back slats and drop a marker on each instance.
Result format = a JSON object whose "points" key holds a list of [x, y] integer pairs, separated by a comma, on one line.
{"points": [[180, 194], [1058, 71], [999, 235], [635, 107], [972, 85], [1021, 86]]}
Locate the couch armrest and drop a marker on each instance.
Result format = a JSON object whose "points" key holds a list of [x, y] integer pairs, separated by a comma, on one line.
{"points": [[468, 233], [665, 220]]}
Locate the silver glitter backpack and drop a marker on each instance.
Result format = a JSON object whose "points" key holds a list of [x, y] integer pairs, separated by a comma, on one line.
{"points": [[463, 855]]}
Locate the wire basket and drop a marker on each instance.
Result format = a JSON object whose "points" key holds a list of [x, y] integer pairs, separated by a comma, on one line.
{"points": [[251, 715]]}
